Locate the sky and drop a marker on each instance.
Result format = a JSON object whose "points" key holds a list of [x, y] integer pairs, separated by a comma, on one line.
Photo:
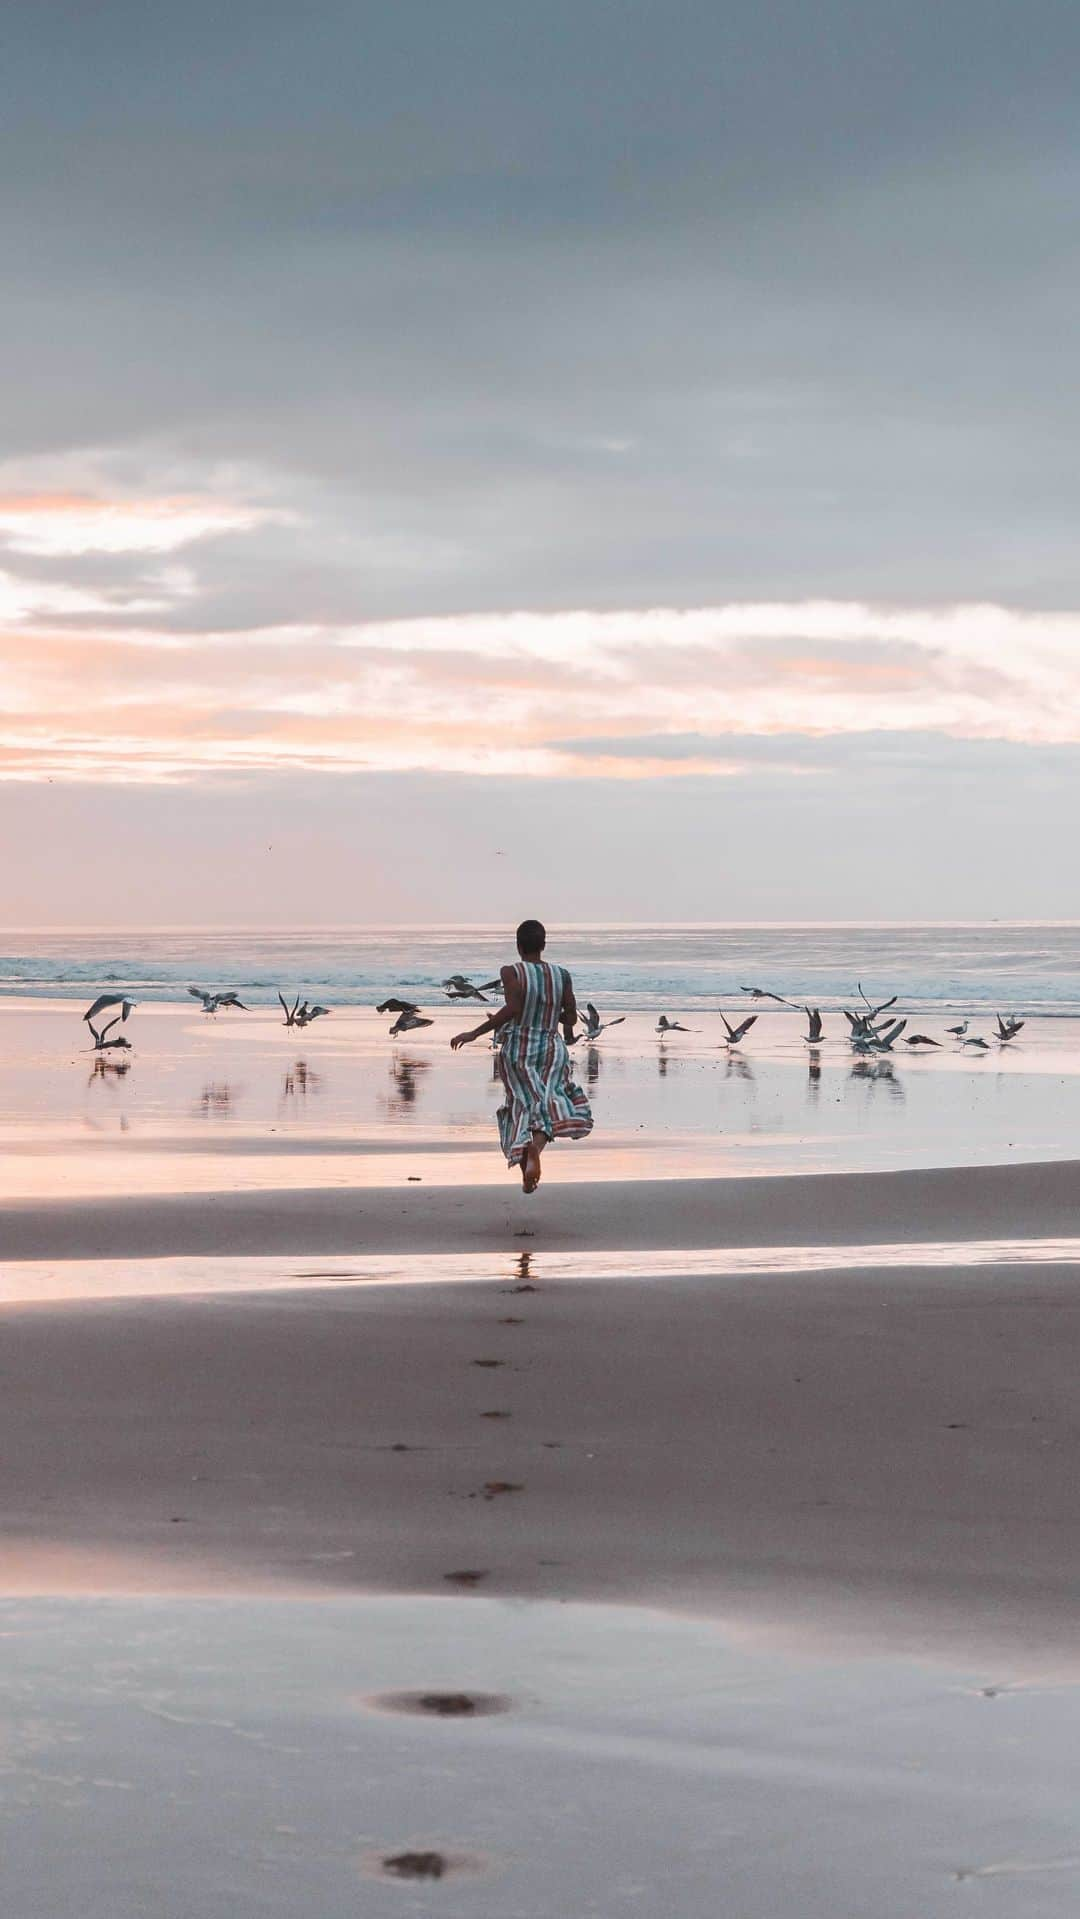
{"points": [[603, 460]]}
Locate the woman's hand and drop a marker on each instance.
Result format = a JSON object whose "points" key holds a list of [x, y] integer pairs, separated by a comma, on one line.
{"points": [[464, 1039]]}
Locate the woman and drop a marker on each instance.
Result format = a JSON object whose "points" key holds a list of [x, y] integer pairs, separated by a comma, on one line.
{"points": [[542, 1101]]}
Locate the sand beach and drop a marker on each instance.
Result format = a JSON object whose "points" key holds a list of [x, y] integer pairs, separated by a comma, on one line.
{"points": [[311, 1359]]}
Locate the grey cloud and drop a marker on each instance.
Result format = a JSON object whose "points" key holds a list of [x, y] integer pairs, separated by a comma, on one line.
{"points": [[813, 264]]}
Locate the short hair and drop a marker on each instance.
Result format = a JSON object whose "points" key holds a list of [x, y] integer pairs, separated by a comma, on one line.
{"points": [[531, 936]]}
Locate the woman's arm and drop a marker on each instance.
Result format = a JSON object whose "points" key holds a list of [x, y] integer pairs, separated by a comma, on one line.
{"points": [[569, 1009], [511, 983]]}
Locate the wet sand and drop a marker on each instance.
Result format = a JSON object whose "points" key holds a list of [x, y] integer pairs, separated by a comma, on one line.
{"points": [[861, 1479], [890, 1454]]}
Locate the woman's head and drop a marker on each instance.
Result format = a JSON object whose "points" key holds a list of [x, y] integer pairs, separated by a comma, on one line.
{"points": [[531, 937]]}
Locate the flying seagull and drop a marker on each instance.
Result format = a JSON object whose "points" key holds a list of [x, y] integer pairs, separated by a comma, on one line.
{"points": [[397, 1006], [920, 1039], [1008, 1028], [465, 991], [593, 1025], [980, 1045], [885, 1040], [102, 1042], [667, 1025], [736, 1033], [409, 1021], [307, 1013], [816, 1031], [104, 1001], [759, 992], [212, 1001]]}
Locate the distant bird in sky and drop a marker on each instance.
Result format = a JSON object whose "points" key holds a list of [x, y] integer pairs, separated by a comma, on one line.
{"points": [[736, 1033], [920, 1039], [957, 1032], [593, 1025], [1008, 1028], [816, 1031], [105, 1000], [666, 1025], [212, 1002]]}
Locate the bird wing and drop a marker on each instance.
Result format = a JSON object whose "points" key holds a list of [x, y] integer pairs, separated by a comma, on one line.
{"points": [[741, 1031], [814, 1018], [617, 1022], [197, 993], [758, 992], [727, 1026], [102, 1001]]}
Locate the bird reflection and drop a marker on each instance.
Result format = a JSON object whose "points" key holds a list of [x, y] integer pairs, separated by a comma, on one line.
{"points": [[592, 1065], [108, 1069], [813, 1074], [407, 1073], [879, 1072], [215, 1100], [736, 1066], [300, 1080]]}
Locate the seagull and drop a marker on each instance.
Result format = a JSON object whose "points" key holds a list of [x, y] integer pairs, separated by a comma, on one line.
{"points": [[667, 1025], [980, 1045], [957, 1032], [816, 1033], [307, 1013], [884, 1041], [102, 1042], [397, 1006], [408, 1021], [212, 1001], [465, 991], [593, 1025], [1008, 1028], [759, 992], [104, 1001], [736, 1033], [920, 1039]]}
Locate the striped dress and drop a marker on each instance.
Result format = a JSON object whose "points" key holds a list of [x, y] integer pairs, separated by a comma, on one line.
{"points": [[534, 1066]]}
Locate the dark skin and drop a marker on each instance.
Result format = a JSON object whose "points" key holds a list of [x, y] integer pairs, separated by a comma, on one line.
{"points": [[511, 1010]]}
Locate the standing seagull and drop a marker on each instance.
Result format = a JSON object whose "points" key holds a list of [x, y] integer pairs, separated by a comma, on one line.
{"points": [[957, 1032], [736, 1033]]}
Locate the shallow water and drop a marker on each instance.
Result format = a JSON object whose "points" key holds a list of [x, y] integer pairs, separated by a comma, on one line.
{"points": [[240, 1103], [225, 1756]]}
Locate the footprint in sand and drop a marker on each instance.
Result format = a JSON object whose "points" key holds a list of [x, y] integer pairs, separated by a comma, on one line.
{"points": [[497, 1414], [511, 1322], [489, 1362], [442, 1705], [465, 1578], [493, 1487]]}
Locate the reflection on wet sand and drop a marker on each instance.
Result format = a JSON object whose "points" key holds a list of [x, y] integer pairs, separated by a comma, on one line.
{"points": [[879, 1072], [813, 1066], [737, 1066], [216, 1099], [299, 1081], [407, 1073], [109, 1070]]}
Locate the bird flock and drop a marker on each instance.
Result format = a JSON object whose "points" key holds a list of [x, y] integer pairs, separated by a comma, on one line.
{"points": [[871, 1028]]}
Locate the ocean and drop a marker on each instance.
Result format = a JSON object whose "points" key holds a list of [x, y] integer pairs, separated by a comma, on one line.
{"points": [[1026, 968]]}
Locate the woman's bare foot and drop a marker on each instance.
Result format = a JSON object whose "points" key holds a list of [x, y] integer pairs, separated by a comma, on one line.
{"points": [[530, 1168]]}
